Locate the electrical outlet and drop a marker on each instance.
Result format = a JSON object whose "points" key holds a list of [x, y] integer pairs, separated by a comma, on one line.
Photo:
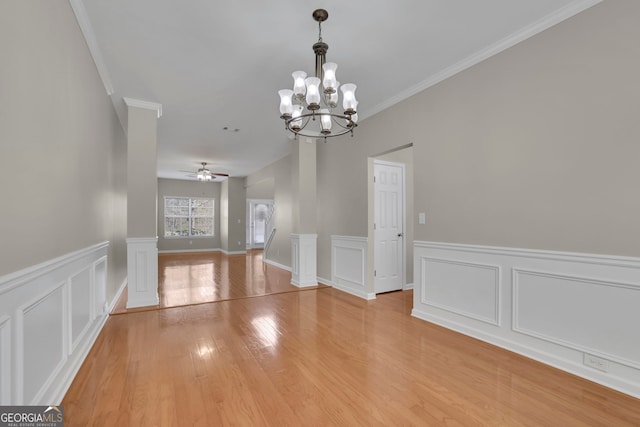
{"points": [[595, 362]]}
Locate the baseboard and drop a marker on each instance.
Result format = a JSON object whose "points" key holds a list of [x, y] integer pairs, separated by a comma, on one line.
{"points": [[355, 292], [278, 265], [530, 352], [233, 252], [407, 287], [187, 251], [65, 379], [117, 296], [325, 281]]}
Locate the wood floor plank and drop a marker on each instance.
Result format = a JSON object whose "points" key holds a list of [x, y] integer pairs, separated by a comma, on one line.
{"points": [[320, 358]]}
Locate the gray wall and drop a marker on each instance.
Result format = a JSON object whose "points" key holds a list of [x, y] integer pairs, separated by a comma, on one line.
{"points": [[280, 173], [62, 149], [237, 215], [183, 188], [260, 188], [536, 147]]}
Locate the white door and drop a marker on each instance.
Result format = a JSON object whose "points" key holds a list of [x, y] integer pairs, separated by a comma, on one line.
{"points": [[388, 226]]}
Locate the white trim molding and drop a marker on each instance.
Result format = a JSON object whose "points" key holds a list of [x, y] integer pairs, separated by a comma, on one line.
{"points": [[278, 265], [117, 296], [559, 308], [50, 316], [349, 265], [92, 43], [304, 260], [142, 272], [188, 251], [233, 252], [146, 105]]}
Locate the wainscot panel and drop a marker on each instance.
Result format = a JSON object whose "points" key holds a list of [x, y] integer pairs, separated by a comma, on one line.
{"points": [[50, 315], [577, 312], [349, 265]]}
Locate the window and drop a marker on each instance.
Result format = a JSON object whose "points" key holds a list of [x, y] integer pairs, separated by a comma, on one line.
{"points": [[188, 217]]}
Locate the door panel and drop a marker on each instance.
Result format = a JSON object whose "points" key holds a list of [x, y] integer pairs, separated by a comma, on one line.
{"points": [[389, 226]]}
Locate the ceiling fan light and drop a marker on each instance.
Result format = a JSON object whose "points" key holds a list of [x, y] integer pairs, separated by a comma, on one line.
{"points": [[329, 83]]}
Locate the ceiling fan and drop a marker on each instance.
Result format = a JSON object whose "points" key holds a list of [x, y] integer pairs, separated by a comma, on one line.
{"points": [[204, 174]]}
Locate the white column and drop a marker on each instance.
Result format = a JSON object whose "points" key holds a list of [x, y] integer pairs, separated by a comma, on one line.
{"points": [[303, 260], [142, 194]]}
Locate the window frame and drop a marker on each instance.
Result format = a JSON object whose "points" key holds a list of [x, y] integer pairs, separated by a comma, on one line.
{"points": [[190, 217]]}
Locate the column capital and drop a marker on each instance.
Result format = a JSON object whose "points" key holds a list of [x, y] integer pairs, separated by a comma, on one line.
{"points": [[147, 105]]}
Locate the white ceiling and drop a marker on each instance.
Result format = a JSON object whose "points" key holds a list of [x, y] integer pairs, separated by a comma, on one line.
{"points": [[215, 64]]}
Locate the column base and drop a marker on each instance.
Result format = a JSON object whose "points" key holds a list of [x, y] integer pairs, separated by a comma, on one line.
{"points": [[304, 260], [142, 272]]}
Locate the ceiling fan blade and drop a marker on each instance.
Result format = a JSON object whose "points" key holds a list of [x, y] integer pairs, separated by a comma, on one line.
{"points": [[220, 174]]}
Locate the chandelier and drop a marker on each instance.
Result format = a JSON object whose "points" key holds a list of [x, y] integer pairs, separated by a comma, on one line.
{"points": [[311, 108]]}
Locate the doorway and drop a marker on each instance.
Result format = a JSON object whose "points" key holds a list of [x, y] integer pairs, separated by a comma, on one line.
{"points": [[389, 225], [258, 213]]}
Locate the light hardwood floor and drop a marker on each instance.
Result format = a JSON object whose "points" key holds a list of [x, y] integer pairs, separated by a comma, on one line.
{"points": [[196, 278], [319, 358]]}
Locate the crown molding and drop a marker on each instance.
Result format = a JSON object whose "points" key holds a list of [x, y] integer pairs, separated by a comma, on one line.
{"points": [[90, 38], [548, 21], [147, 105]]}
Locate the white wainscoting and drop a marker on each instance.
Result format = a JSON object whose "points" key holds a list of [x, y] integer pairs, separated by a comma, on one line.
{"points": [[349, 265], [556, 307], [50, 315]]}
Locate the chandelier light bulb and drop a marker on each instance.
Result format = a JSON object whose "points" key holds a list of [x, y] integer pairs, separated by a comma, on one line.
{"points": [[286, 106], [325, 121], [349, 102], [313, 93], [299, 87], [296, 121], [329, 82], [332, 99]]}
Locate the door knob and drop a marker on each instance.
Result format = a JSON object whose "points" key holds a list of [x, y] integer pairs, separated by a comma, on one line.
{"points": [[399, 234]]}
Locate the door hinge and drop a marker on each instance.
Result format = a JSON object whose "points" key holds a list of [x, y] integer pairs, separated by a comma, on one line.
{"points": [[374, 225], [375, 273], [374, 178]]}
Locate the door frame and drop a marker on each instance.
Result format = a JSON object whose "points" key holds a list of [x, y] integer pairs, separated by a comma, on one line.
{"points": [[372, 206]]}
